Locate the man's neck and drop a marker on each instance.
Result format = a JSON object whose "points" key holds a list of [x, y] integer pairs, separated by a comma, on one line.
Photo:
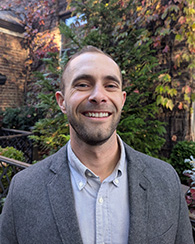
{"points": [[101, 159]]}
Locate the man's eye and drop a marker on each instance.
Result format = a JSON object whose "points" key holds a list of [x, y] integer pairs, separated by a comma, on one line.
{"points": [[111, 86], [82, 85]]}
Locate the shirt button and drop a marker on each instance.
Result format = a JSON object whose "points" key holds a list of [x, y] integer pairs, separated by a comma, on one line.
{"points": [[100, 200], [116, 181], [80, 184], [89, 174]]}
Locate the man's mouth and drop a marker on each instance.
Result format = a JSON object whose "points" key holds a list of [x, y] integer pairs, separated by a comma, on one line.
{"points": [[97, 114]]}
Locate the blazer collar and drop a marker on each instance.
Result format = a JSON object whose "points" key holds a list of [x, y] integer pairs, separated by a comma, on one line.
{"points": [[138, 194]]}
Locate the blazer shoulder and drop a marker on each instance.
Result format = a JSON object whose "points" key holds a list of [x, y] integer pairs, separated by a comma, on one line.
{"points": [[42, 169], [150, 166]]}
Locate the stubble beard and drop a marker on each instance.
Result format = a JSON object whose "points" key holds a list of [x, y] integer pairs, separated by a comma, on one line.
{"points": [[93, 136]]}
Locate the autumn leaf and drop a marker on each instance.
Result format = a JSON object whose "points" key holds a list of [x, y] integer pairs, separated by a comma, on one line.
{"points": [[166, 49], [180, 106]]}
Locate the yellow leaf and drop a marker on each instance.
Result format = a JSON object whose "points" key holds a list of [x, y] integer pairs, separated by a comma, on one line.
{"points": [[139, 9]]}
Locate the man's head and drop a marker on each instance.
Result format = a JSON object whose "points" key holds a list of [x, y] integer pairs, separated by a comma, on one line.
{"points": [[92, 97]]}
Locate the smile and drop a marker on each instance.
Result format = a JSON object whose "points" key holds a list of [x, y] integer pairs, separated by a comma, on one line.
{"points": [[97, 115]]}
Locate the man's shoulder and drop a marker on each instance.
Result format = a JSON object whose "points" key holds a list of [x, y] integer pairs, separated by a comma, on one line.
{"points": [[43, 168], [151, 166]]}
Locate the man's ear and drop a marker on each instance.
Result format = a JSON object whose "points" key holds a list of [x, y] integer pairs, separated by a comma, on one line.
{"points": [[124, 94], [61, 101]]}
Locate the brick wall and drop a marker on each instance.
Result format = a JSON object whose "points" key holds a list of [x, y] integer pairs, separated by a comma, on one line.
{"points": [[12, 58]]}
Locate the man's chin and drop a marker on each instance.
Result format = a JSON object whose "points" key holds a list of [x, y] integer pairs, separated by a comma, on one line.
{"points": [[97, 140]]}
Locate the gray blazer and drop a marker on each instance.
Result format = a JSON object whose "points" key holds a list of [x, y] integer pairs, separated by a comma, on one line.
{"points": [[40, 205]]}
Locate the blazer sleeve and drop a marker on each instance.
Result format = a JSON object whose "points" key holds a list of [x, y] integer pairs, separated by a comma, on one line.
{"points": [[184, 231], [7, 228]]}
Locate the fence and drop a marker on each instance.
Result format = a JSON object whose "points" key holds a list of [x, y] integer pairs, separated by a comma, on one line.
{"points": [[8, 168], [18, 139]]}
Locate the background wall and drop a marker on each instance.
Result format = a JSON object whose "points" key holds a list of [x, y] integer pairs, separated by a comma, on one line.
{"points": [[12, 57]]}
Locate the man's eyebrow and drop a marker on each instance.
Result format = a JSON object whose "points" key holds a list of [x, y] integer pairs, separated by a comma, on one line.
{"points": [[113, 78], [90, 77], [82, 77]]}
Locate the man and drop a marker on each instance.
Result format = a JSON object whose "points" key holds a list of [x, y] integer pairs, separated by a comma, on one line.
{"points": [[96, 189]]}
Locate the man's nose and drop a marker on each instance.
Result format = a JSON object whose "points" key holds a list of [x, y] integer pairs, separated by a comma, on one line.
{"points": [[98, 95]]}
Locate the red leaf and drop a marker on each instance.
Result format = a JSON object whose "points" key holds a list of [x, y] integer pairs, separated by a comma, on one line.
{"points": [[182, 20], [192, 191], [166, 49], [180, 106]]}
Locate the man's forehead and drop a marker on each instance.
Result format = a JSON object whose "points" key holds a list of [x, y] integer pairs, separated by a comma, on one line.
{"points": [[92, 56], [87, 60]]}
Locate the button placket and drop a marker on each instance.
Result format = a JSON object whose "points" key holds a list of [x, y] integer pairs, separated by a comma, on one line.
{"points": [[102, 215], [100, 200]]}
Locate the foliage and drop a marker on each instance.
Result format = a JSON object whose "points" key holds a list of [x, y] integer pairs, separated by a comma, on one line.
{"points": [[133, 33], [114, 27], [34, 15], [51, 132], [171, 25], [142, 131], [11, 152], [181, 151], [190, 194], [21, 118]]}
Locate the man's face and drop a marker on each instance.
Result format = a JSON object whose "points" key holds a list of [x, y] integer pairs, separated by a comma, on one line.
{"points": [[93, 97]]}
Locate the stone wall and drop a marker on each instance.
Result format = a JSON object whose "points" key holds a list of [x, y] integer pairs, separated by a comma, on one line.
{"points": [[12, 57]]}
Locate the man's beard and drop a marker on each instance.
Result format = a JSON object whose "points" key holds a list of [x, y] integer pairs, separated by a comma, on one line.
{"points": [[93, 136]]}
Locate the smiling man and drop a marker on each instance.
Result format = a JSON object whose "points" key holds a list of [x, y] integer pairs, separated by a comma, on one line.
{"points": [[96, 189]]}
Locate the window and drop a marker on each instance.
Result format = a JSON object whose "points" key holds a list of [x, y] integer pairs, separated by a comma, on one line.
{"points": [[70, 20]]}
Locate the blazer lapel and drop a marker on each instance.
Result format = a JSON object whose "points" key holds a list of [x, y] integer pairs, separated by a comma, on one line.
{"points": [[138, 194], [62, 200]]}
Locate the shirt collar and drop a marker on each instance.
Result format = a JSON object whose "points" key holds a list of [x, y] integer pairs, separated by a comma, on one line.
{"points": [[81, 173]]}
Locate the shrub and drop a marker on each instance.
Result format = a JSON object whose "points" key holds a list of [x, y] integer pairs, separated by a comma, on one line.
{"points": [[21, 118], [190, 194], [11, 152], [52, 131], [181, 151]]}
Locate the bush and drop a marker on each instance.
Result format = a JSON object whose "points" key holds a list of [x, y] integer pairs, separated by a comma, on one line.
{"points": [[52, 131], [21, 118], [181, 151], [11, 152]]}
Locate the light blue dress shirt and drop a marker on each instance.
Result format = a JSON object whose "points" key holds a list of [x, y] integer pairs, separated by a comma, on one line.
{"points": [[102, 208]]}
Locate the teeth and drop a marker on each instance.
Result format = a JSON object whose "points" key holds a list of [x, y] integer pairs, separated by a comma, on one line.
{"points": [[97, 115]]}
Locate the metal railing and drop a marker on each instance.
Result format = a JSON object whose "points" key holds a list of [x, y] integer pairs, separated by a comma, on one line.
{"points": [[8, 168], [18, 139]]}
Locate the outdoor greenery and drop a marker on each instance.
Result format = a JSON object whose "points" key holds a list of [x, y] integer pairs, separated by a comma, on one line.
{"points": [[153, 43], [190, 194], [107, 28], [182, 150], [21, 118], [50, 132], [11, 152]]}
